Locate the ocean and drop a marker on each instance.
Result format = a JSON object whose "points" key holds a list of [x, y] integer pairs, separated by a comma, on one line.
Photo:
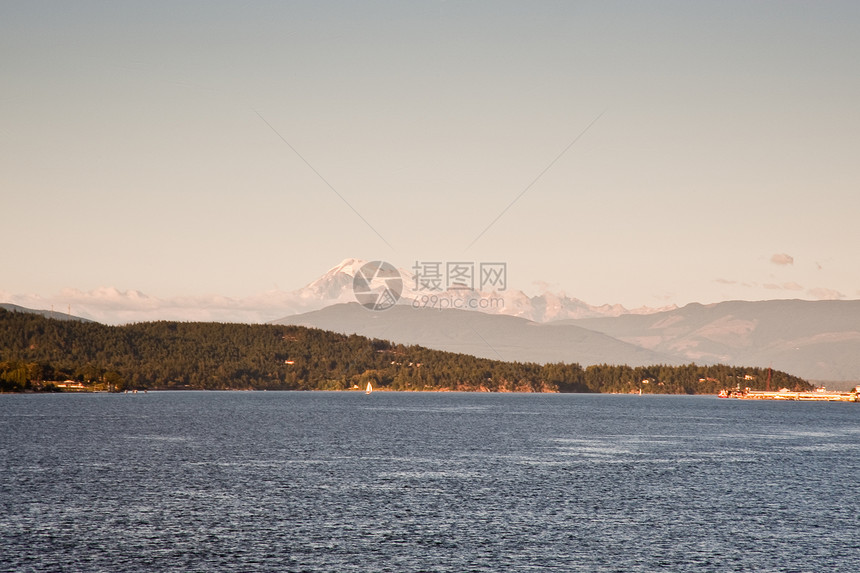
{"points": [[454, 482]]}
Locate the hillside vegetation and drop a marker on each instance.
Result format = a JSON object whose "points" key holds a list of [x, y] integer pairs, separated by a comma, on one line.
{"points": [[36, 352]]}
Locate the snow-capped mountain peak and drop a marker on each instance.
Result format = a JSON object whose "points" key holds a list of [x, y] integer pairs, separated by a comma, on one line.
{"points": [[335, 286], [114, 306]]}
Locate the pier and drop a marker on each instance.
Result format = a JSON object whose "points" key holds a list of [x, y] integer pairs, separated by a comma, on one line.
{"points": [[818, 395]]}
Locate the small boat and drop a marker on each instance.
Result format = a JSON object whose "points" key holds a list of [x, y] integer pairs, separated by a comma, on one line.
{"points": [[369, 388]]}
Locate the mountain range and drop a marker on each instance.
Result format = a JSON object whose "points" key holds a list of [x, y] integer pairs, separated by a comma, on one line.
{"points": [[818, 340], [335, 286], [497, 337], [110, 305]]}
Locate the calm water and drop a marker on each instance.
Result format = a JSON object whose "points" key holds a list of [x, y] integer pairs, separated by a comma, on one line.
{"points": [[279, 481]]}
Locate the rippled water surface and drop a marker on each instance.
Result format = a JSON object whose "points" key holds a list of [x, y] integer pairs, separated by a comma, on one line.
{"points": [[280, 481]]}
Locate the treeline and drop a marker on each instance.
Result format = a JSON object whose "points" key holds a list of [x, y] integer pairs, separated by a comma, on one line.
{"points": [[36, 352]]}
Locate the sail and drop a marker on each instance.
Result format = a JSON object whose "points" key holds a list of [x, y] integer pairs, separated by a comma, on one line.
{"points": [[369, 388]]}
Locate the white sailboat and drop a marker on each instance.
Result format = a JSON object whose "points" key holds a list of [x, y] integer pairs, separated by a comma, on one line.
{"points": [[369, 388]]}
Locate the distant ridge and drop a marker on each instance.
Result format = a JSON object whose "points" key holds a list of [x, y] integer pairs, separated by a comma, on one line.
{"points": [[46, 313], [818, 340], [36, 353], [497, 337]]}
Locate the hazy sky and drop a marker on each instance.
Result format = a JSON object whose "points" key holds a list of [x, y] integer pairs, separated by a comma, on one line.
{"points": [[135, 151]]}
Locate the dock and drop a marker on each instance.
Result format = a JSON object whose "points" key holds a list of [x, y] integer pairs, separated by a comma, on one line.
{"points": [[817, 395]]}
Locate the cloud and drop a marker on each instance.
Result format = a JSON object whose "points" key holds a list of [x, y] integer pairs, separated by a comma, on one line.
{"points": [[109, 305], [782, 259], [783, 286], [822, 293], [744, 284], [665, 297]]}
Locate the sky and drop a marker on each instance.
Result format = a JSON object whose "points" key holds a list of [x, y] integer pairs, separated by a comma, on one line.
{"points": [[641, 153]]}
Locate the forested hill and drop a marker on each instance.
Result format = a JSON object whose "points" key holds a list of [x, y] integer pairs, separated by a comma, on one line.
{"points": [[36, 351]]}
